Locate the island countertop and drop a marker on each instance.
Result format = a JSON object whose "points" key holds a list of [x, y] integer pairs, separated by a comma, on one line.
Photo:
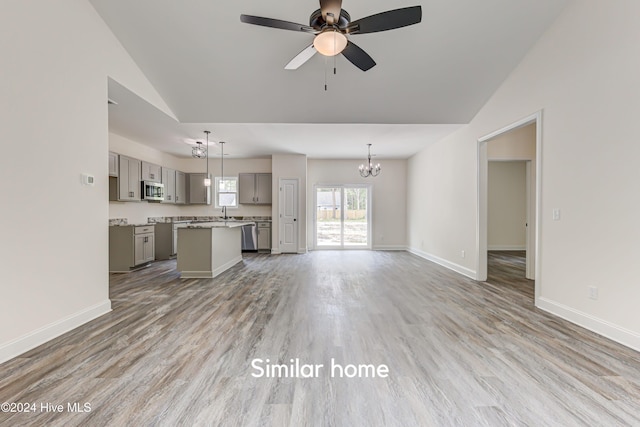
{"points": [[219, 224]]}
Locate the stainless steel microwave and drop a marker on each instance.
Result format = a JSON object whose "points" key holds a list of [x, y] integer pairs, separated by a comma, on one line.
{"points": [[153, 191]]}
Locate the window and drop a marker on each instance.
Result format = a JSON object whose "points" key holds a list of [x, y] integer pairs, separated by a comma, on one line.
{"points": [[226, 192]]}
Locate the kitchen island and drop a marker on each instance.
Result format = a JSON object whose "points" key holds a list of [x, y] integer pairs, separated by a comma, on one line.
{"points": [[207, 249]]}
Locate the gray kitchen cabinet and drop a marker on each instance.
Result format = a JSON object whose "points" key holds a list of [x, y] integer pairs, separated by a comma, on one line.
{"points": [[128, 179], [264, 236], [113, 164], [165, 247], [199, 194], [144, 246], [181, 188], [254, 188], [151, 172], [130, 247], [169, 181]]}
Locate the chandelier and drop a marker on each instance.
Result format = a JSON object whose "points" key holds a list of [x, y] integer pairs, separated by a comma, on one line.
{"points": [[369, 169]]}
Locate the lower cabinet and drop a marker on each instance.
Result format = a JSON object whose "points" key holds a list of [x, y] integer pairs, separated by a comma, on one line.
{"points": [[164, 236], [144, 248], [264, 236], [130, 247]]}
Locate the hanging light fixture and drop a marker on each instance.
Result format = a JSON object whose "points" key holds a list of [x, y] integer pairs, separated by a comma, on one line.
{"points": [[224, 207], [198, 151], [207, 180], [369, 169]]}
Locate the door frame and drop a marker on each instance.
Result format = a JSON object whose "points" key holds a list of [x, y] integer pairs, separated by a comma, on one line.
{"points": [[482, 201], [369, 188]]}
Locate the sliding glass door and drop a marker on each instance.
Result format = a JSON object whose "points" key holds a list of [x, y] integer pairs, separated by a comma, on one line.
{"points": [[342, 217]]}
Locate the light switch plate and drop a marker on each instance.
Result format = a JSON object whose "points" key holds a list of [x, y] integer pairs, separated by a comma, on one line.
{"points": [[556, 214], [88, 179]]}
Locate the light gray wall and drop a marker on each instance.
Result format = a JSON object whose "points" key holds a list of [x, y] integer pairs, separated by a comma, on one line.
{"points": [[389, 196], [507, 205], [53, 128], [582, 77]]}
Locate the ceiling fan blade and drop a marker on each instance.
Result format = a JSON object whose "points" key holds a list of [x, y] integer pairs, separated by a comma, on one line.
{"points": [[301, 58], [388, 20], [277, 23], [331, 8], [358, 57]]}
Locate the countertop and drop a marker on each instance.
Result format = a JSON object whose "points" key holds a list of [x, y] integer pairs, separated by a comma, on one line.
{"points": [[220, 224]]}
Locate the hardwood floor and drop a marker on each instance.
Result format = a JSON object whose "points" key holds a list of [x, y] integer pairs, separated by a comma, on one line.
{"points": [[460, 353]]}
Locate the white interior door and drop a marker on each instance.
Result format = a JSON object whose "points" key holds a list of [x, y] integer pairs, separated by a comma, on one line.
{"points": [[288, 215]]}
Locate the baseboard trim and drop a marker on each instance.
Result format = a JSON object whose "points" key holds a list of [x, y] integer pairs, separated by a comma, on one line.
{"points": [[53, 330], [507, 248], [389, 248], [192, 274], [614, 332], [443, 262]]}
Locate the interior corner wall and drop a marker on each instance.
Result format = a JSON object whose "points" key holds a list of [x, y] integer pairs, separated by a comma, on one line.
{"points": [[285, 166], [389, 197], [53, 100], [581, 76]]}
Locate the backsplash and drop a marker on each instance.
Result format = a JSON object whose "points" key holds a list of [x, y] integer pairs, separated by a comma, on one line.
{"points": [[118, 221]]}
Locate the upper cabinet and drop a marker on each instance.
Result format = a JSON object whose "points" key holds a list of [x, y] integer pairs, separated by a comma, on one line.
{"points": [[181, 188], [169, 181], [254, 188], [151, 172], [199, 194], [128, 179], [113, 164]]}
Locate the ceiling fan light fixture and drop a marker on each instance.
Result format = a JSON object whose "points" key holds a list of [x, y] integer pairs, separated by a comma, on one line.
{"points": [[330, 42]]}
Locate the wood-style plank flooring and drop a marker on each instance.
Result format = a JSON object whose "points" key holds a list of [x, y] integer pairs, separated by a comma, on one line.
{"points": [[460, 353]]}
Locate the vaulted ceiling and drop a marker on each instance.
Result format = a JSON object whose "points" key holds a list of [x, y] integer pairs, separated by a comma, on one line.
{"points": [[228, 76]]}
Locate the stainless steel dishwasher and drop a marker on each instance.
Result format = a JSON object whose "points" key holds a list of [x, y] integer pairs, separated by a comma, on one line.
{"points": [[249, 237]]}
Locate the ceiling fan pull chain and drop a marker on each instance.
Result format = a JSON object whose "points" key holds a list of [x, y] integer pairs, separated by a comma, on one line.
{"points": [[325, 73]]}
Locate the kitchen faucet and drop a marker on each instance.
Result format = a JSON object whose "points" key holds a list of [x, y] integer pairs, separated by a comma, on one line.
{"points": [[224, 213]]}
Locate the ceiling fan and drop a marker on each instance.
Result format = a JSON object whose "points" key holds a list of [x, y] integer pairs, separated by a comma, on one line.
{"points": [[331, 25]]}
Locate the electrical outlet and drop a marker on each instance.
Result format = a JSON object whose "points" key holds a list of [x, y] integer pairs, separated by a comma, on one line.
{"points": [[462, 254], [593, 292]]}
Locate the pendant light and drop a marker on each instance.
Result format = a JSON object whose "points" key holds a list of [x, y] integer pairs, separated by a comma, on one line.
{"points": [[369, 169], [198, 151], [207, 179]]}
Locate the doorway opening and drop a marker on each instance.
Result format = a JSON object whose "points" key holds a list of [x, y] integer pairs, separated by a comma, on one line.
{"points": [[342, 217], [518, 142]]}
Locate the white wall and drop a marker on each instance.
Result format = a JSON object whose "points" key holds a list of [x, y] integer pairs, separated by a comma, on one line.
{"points": [[138, 212], [389, 197], [53, 128], [583, 76], [507, 205], [289, 166]]}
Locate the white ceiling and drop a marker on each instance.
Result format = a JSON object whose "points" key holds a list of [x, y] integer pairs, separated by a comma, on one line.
{"points": [[217, 73]]}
